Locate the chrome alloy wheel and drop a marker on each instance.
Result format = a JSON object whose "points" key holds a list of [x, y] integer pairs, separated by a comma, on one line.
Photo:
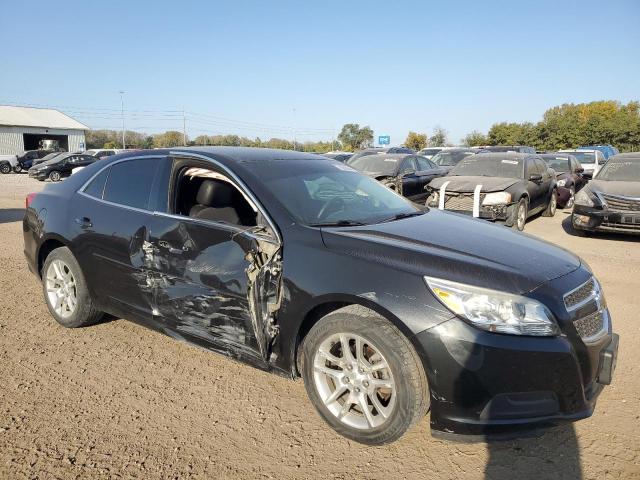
{"points": [[354, 381], [522, 216], [61, 288]]}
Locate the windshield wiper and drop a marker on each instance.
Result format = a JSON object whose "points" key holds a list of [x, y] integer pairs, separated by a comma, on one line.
{"points": [[400, 216], [339, 223]]}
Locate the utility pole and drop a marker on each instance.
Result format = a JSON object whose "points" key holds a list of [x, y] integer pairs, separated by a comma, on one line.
{"points": [[294, 130], [122, 113], [184, 128]]}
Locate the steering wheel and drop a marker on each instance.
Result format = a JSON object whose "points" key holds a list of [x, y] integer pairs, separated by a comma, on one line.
{"points": [[325, 210]]}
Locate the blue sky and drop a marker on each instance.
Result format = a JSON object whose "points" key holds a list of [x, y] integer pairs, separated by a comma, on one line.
{"points": [[243, 66]]}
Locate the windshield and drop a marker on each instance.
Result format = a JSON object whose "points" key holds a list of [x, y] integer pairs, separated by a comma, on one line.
{"points": [[430, 151], [326, 193], [620, 171], [448, 158], [379, 164], [487, 165], [585, 157], [559, 164]]}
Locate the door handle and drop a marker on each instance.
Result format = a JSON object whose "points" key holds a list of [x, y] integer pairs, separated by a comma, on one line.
{"points": [[84, 222]]}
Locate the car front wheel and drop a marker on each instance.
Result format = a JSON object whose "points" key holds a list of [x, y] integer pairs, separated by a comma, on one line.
{"points": [[552, 206], [66, 292], [363, 376], [572, 198], [520, 215], [55, 176]]}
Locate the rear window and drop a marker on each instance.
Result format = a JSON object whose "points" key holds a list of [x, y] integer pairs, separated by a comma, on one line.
{"points": [[96, 187], [129, 183]]}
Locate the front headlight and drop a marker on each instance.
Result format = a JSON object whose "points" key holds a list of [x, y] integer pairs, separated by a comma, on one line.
{"points": [[562, 183], [583, 198], [493, 310], [497, 198]]}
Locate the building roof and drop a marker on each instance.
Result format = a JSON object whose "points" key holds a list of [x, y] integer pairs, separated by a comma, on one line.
{"points": [[37, 117]]}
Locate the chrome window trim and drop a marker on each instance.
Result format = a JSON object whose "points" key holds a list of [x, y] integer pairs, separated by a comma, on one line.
{"points": [[595, 294]]}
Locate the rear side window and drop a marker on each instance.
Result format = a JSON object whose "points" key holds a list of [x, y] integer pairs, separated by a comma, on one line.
{"points": [[96, 187], [130, 182], [424, 164]]}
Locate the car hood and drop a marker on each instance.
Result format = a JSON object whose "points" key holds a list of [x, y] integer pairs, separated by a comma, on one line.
{"points": [[377, 175], [627, 189], [468, 184], [458, 248]]}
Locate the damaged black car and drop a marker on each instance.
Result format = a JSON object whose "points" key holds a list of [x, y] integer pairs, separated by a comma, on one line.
{"points": [[611, 201], [507, 188], [406, 174], [300, 265]]}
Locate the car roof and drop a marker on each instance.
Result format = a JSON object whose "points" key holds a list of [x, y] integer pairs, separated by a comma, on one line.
{"points": [[513, 155], [633, 156]]}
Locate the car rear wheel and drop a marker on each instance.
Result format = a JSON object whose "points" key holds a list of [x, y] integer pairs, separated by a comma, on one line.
{"points": [[363, 376], [520, 215], [65, 290], [552, 206], [5, 168], [55, 176]]}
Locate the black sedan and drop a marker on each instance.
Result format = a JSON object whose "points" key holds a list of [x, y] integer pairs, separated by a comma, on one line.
{"points": [[60, 166], [611, 201], [569, 176], [501, 187], [299, 265], [406, 174]]}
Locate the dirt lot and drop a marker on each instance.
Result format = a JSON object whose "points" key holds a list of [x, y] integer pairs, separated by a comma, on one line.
{"points": [[119, 401]]}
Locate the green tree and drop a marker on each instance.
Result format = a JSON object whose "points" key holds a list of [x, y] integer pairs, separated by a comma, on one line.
{"points": [[171, 138], [439, 137], [416, 141], [354, 138], [474, 139]]}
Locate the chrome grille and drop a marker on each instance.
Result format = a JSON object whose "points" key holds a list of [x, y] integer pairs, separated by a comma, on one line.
{"points": [[591, 325], [621, 204], [580, 295], [463, 201]]}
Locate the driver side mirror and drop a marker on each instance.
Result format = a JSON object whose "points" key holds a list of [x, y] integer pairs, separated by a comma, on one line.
{"points": [[535, 177], [407, 174]]}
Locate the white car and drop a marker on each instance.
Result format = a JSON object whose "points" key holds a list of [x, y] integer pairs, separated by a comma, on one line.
{"points": [[8, 163], [431, 151], [103, 152], [591, 160]]}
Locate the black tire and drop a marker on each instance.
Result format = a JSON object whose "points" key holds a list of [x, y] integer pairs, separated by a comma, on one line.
{"points": [[5, 168], [411, 388], [17, 168], [552, 206], [520, 219], [85, 313], [55, 176]]}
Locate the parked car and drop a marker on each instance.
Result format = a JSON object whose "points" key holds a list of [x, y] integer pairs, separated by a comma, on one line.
{"points": [[46, 158], [568, 175], [509, 148], [374, 151], [590, 160], [299, 266], [339, 156], [8, 164], [611, 201], [60, 166], [406, 174], [447, 159], [101, 153], [31, 157], [429, 152], [501, 187], [607, 150]]}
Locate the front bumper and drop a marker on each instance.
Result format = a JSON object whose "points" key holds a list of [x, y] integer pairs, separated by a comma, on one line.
{"points": [[604, 220], [488, 385], [37, 174]]}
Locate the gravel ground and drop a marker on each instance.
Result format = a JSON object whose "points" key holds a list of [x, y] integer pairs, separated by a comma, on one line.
{"points": [[120, 401]]}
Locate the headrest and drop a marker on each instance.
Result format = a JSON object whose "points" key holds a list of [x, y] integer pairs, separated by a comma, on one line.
{"points": [[215, 193]]}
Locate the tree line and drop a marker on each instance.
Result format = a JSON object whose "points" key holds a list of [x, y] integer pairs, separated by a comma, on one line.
{"points": [[564, 126]]}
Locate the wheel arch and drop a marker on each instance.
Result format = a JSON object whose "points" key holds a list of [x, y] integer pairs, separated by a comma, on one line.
{"points": [[51, 242], [329, 303]]}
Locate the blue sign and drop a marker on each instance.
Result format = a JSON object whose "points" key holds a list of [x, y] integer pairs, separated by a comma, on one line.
{"points": [[384, 140]]}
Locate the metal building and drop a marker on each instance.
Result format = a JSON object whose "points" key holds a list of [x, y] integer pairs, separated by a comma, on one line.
{"points": [[22, 128]]}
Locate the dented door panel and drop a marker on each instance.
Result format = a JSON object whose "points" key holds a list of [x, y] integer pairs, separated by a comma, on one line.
{"points": [[208, 282]]}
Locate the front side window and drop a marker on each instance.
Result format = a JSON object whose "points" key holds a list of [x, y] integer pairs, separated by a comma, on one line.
{"points": [[130, 182], [424, 164]]}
